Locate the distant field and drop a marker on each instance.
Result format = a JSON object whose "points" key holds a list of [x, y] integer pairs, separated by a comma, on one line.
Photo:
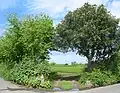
{"points": [[67, 68]]}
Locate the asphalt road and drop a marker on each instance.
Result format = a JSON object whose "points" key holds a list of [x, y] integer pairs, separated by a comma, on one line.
{"points": [[108, 89], [7, 87]]}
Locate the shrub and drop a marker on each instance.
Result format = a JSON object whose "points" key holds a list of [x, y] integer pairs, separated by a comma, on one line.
{"points": [[66, 64], [28, 72], [52, 63], [98, 78]]}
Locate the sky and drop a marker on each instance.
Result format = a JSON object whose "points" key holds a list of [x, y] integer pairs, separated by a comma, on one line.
{"points": [[56, 9]]}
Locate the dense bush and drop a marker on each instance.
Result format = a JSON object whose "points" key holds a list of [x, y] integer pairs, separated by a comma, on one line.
{"points": [[29, 73], [24, 50], [98, 78]]}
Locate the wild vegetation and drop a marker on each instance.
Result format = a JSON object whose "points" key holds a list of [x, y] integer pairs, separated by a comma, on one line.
{"points": [[91, 30], [24, 49]]}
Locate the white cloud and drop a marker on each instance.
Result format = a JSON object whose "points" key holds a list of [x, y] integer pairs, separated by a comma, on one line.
{"points": [[5, 4], [116, 4], [53, 7], [57, 9], [114, 8]]}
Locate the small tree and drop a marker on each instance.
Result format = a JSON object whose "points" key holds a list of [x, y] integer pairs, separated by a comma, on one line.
{"points": [[74, 63], [91, 31], [66, 64]]}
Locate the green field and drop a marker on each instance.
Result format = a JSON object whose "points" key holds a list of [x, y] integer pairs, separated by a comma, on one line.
{"points": [[68, 68]]}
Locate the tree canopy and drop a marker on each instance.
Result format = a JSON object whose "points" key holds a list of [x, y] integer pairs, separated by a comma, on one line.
{"points": [[30, 36], [91, 30]]}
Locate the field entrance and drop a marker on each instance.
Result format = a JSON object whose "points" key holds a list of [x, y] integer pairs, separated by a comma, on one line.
{"points": [[68, 75]]}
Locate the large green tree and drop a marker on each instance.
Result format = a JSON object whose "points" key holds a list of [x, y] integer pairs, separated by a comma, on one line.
{"points": [[30, 36], [91, 30]]}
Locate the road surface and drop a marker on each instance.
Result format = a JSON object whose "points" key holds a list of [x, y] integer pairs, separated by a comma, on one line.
{"points": [[7, 87]]}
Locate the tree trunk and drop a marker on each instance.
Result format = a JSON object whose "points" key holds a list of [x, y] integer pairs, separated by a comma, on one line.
{"points": [[89, 66]]}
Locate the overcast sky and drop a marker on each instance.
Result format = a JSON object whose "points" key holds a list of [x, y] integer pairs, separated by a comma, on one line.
{"points": [[55, 9]]}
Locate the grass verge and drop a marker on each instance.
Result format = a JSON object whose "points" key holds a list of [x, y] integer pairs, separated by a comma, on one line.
{"points": [[65, 85]]}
